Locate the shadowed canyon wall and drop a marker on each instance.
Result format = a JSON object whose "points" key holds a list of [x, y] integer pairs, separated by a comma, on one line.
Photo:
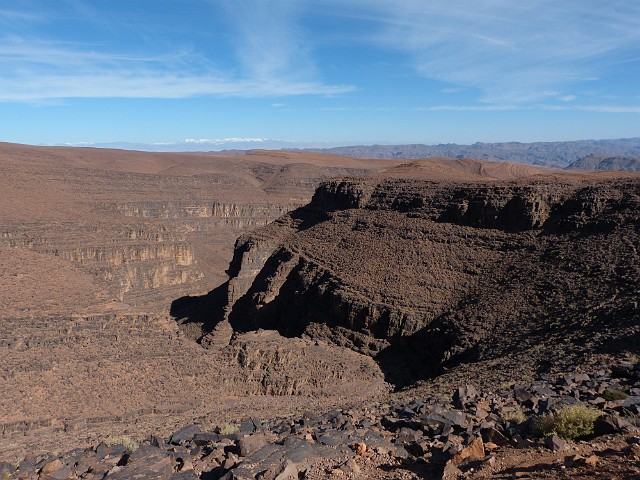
{"points": [[438, 271]]}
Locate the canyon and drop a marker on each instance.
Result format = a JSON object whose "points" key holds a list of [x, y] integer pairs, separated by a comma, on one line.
{"points": [[142, 292], [97, 247], [427, 277]]}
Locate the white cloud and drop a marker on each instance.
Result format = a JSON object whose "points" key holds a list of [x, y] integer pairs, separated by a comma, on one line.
{"points": [[512, 51], [610, 108], [219, 141], [14, 16], [451, 90], [269, 41], [432, 108], [36, 70], [469, 108]]}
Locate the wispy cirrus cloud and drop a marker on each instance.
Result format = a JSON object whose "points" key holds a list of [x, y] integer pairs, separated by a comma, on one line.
{"points": [[610, 108], [503, 52], [269, 60], [511, 51], [268, 38], [493, 108], [38, 70], [13, 16]]}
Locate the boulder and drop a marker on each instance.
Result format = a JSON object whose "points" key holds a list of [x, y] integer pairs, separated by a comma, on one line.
{"points": [[555, 443], [464, 395], [202, 439], [146, 462], [441, 418], [473, 451], [293, 452], [607, 424], [6, 470], [251, 443], [184, 435]]}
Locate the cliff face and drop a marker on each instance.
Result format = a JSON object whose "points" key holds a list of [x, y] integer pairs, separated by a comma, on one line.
{"points": [[153, 259], [446, 271], [217, 210]]}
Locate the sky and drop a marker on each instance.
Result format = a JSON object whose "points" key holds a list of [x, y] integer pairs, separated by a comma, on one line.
{"points": [[319, 71]]}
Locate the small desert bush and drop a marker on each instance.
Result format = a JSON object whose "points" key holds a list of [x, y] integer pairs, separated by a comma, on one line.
{"points": [[127, 442], [570, 422], [227, 429], [611, 395], [516, 415]]}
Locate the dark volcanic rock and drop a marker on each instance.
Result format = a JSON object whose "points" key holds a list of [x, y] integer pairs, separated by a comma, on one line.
{"points": [[184, 435], [6, 470], [412, 433], [294, 453], [146, 462]]}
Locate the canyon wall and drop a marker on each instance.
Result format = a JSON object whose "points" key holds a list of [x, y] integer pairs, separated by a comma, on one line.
{"points": [[440, 269], [152, 260]]}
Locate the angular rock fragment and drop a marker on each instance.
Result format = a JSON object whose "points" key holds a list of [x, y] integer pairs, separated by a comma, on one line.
{"points": [[185, 434], [555, 443]]}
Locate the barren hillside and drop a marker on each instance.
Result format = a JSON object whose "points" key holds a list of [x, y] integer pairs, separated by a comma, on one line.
{"points": [[128, 312], [428, 276], [96, 246]]}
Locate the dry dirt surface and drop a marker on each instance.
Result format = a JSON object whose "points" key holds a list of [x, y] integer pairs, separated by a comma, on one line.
{"points": [[358, 296]]}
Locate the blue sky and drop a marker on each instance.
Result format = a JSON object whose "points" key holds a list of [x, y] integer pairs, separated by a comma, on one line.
{"points": [[337, 71]]}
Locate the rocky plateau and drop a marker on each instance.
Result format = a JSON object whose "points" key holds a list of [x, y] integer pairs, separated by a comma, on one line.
{"points": [[374, 319]]}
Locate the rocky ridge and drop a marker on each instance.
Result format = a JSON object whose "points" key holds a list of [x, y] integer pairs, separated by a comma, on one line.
{"points": [[391, 266], [606, 163]]}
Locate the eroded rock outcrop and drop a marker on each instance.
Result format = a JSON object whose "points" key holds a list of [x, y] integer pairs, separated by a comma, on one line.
{"points": [[440, 271]]}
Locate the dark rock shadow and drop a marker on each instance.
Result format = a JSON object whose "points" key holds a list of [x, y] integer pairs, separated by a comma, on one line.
{"points": [[198, 315], [421, 356], [307, 217]]}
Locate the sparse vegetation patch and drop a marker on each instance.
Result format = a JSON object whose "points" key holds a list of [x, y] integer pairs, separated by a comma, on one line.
{"points": [[571, 422]]}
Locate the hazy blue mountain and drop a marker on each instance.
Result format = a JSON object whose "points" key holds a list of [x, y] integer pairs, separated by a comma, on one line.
{"points": [[554, 154], [602, 162]]}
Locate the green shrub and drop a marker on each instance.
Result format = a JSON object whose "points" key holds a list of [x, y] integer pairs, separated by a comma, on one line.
{"points": [[611, 395], [570, 422]]}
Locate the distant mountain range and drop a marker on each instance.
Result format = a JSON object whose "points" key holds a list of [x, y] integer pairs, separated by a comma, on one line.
{"points": [[550, 154], [602, 162]]}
